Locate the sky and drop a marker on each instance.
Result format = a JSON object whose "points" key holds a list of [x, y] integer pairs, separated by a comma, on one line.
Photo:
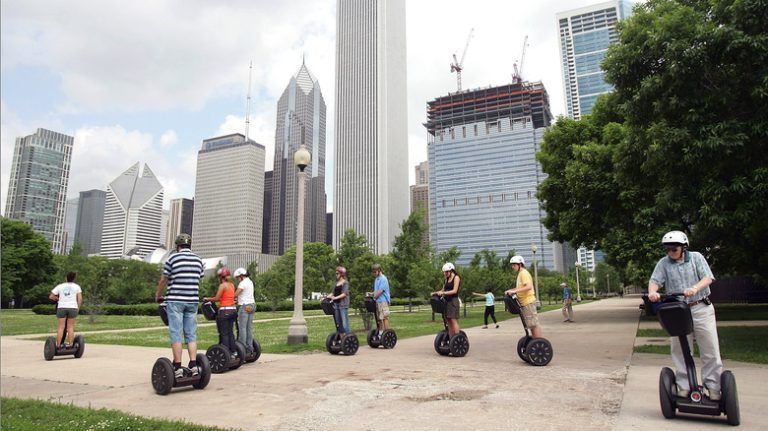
{"points": [[147, 80]]}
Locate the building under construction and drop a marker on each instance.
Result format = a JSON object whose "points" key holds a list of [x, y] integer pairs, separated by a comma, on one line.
{"points": [[517, 100]]}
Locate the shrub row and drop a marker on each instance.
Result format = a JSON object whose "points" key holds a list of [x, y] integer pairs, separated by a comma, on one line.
{"points": [[152, 310]]}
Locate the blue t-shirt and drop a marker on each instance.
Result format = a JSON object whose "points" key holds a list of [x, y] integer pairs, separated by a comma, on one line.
{"points": [[567, 293], [381, 284], [489, 299], [676, 276]]}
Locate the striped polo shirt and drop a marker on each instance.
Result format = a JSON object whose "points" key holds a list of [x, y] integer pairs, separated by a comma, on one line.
{"points": [[184, 270]]}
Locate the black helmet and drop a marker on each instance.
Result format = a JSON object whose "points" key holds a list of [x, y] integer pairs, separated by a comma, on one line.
{"points": [[184, 240]]}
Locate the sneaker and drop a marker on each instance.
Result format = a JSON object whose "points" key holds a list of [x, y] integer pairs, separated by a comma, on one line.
{"points": [[178, 373], [485, 327], [497, 326], [193, 371], [713, 395], [684, 393]]}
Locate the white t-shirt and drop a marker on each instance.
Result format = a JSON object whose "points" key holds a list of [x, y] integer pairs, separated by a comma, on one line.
{"points": [[246, 296], [67, 294]]}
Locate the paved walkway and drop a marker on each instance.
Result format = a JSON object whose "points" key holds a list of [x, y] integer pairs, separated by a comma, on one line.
{"points": [[593, 383]]}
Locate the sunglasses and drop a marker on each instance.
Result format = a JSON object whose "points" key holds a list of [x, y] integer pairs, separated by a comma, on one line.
{"points": [[671, 247]]}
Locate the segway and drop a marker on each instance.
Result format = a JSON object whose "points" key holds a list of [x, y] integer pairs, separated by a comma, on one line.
{"points": [[339, 341], [456, 346], [77, 348], [675, 317], [220, 356], [388, 337], [533, 350], [163, 375], [252, 353]]}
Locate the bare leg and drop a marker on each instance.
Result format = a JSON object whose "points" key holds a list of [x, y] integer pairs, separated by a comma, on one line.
{"points": [[191, 349], [176, 348], [536, 331], [60, 330], [453, 327], [71, 330], [385, 322]]}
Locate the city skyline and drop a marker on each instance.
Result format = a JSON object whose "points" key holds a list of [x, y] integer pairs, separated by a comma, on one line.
{"points": [[161, 107]]}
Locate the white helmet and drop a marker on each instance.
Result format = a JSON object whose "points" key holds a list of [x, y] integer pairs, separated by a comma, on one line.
{"points": [[517, 259], [240, 271], [675, 237], [448, 267]]}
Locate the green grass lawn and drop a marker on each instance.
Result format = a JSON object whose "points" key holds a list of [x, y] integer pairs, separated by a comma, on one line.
{"points": [[271, 334], [34, 415], [739, 343]]}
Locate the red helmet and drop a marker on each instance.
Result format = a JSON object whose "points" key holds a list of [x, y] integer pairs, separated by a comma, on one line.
{"points": [[341, 270], [224, 272]]}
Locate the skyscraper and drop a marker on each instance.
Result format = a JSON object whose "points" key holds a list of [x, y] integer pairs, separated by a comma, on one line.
{"points": [[132, 214], [37, 190], [483, 172], [300, 121], [70, 224], [267, 212], [420, 196], [229, 199], [585, 34], [179, 220], [90, 220], [371, 148]]}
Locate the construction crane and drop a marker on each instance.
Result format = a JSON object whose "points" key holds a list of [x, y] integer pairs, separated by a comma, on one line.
{"points": [[458, 66], [518, 76]]}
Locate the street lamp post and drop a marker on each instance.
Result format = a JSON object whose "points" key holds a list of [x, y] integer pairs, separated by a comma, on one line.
{"points": [[578, 289], [535, 276], [297, 328]]}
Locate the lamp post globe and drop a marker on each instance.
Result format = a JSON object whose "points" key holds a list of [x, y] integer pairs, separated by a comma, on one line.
{"points": [[297, 328], [535, 276]]}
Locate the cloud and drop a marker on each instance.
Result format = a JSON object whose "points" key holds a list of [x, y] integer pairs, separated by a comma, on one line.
{"points": [[168, 139]]}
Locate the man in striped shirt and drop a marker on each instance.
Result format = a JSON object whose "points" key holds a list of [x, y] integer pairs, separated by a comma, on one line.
{"points": [[182, 273]]}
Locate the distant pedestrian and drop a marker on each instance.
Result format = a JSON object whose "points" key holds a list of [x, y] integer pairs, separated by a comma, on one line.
{"points": [[340, 298], [688, 273], [382, 296], [490, 307], [68, 297], [525, 295], [247, 303], [567, 303]]}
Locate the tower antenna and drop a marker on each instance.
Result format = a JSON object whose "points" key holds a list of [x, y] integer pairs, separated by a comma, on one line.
{"points": [[248, 102]]}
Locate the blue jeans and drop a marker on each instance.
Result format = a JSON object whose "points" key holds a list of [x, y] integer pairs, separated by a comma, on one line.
{"points": [[182, 315], [342, 316], [245, 325]]}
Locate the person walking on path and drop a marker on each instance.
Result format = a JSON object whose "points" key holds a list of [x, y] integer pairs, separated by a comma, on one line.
{"points": [[381, 295], [247, 303], [340, 298], [181, 275], [69, 298], [227, 314], [688, 273], [567, 303], [450, 294], [526, 295], [490, 308]]}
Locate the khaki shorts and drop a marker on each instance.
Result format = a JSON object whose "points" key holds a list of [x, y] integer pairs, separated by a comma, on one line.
{"points": [[382, 310], [529, 314], [452, 309]]}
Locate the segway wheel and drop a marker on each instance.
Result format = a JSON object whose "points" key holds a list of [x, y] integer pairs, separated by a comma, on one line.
{"points": [[459, 345], [372, 341], [666, 391], [219, 358], [350, 344], [256, 352], [331, 344], [539, 351], [49, 351], [162, 376], [205, 371], [440, 345], [522, 343], [730, 398], [389, 339], [80, 342], [240, 350]]}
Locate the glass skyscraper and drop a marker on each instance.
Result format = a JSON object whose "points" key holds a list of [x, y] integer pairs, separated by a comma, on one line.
{"points": [[585, 34], [37, 190]]}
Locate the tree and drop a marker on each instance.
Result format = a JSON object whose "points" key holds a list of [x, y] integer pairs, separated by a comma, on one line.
{"points": [[27, 261], [680, 143], [408, 248]]}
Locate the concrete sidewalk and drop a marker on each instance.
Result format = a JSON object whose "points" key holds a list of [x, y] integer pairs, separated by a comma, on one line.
{"points": [[409, 387]]}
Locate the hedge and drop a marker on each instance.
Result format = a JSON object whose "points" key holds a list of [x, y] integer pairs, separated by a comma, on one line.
{"points": [[152, 309]]}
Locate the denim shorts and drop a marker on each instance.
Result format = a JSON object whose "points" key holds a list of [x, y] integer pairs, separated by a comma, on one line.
{"points": [[182, 315]]}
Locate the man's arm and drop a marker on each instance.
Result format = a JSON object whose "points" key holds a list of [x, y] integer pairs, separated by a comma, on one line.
{"points": [[161, 288]]}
